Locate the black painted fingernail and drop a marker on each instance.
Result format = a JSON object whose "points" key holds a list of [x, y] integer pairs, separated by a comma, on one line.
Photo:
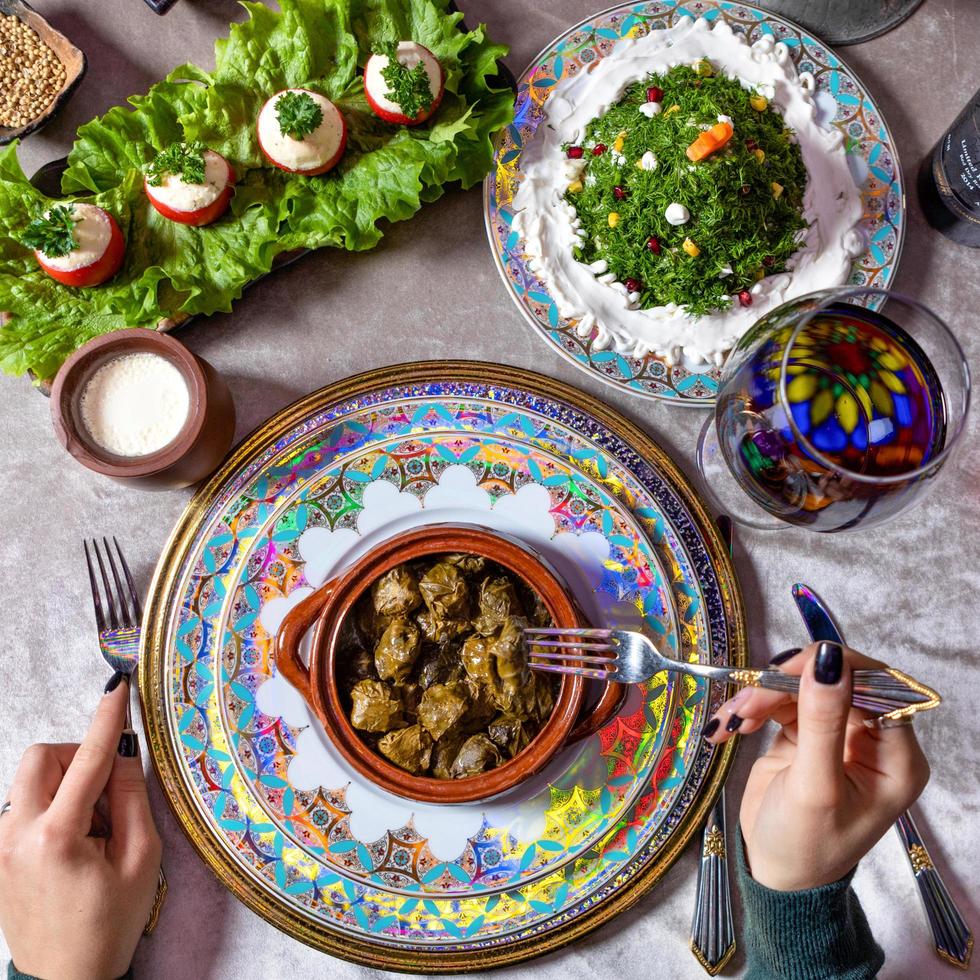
{"points": [[781, 658], [733, 723], [117, 678], [829, 664], [710, 728], [129, 745]]}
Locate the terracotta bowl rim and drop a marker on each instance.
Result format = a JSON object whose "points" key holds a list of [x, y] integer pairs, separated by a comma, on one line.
{"points": [[351, 585]]}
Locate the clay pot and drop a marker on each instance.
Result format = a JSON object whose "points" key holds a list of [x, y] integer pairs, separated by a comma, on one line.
{"points": [[326, 609], [199, 446]]}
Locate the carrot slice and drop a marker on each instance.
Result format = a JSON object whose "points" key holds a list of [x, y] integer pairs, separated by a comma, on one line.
{"points": [[710, 141]]}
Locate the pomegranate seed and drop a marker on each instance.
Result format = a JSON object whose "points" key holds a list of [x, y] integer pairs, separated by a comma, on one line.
{"points": [[654, 94], [599, 149], [653, 243], [633, 285], [745, 189], [745, 298], [768, 261], [618, 193], [750, 144], [575, 152]]}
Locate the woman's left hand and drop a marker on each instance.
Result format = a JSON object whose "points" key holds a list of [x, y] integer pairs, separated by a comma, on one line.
{"points": [[79, 853]]}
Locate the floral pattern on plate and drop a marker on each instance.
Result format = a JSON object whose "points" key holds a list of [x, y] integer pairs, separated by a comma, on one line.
{"points": [[842, 101]]}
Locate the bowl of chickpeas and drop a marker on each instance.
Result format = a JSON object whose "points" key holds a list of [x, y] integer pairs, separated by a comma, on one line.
{"points": [[39, 70]]}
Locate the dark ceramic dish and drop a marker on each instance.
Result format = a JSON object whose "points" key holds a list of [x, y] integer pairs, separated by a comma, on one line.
{"points": [[326, 609], [71, 57]]}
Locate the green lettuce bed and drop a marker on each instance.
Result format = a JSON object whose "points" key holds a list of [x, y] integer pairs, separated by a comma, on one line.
{"points": [[174, 271]]}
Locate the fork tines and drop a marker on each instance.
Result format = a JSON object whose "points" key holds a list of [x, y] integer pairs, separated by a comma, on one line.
{"points": [[577, 656], [122, 608]]}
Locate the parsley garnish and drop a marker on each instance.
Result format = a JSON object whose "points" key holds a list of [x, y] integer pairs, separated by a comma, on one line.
{"points": [[298, 114], [52, 233], [408, 87], [183, 160], [737, 222]]}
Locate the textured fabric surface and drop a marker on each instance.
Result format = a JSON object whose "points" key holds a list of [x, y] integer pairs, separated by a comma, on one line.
{"points": [[818, 934], [906, 592]]}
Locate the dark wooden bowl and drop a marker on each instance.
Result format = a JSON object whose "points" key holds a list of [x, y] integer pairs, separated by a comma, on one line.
{"points": [[326, 609], [71, 57], [199, 447]]}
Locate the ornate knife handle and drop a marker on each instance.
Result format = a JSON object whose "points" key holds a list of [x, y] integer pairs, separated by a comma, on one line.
{"points": [[953, 938], [713, 931], [886, 692]]}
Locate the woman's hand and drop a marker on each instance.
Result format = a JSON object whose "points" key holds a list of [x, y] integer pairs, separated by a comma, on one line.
{"points": [[79, 854], [829, 786]]}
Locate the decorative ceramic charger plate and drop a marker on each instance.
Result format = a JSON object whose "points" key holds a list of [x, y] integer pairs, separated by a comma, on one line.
{"points": [[274, 809], [842, 101]]}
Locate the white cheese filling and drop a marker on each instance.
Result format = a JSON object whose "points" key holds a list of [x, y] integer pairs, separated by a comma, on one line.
{"points": [[314, 149], [831, 203], [92, 234], [409, 54], [174, 192]]}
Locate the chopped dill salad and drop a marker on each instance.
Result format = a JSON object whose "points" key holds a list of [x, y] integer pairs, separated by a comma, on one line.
{"points": [[687, 191]]}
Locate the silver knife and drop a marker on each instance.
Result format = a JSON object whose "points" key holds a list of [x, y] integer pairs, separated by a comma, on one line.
{"points": [[712, 929], [952, 936]]}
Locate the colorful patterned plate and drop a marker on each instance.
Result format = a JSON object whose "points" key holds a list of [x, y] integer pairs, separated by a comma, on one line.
{"points": [[269, 803], [842, 99]]}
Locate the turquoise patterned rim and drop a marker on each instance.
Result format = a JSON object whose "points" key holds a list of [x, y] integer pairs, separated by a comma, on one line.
{"points": [[845, 101]]}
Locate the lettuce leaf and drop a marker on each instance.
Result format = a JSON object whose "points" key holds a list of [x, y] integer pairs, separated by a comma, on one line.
{"points": [[174, 271]]}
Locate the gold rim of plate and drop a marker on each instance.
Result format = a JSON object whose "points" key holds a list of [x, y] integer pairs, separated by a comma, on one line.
{"points": [[153, 700]]}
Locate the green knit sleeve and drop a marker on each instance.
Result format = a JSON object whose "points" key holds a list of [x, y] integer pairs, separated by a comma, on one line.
{"points": [[818, 934], [14, 974]]}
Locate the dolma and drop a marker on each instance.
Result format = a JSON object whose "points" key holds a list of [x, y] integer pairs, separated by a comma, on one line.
{"points": [[442, 707], [498, 602], [478, 754], [409, 748], [396, 593], [445, 592], [374, 707], [397, 651]]}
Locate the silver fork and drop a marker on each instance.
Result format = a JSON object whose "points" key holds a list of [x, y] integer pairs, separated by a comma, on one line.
{"points": [[118, 623], [628, 657]]}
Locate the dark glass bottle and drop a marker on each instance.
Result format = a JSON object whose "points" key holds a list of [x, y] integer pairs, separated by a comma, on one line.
{"points": [[949, 179]]}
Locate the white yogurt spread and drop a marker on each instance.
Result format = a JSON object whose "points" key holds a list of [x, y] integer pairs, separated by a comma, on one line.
{"points": [[314, 149], [176, 193], [409, 54], [831, 203], [92, 234], [135, 404]]}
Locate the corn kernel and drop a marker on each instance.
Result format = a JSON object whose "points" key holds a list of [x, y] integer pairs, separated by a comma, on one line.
{"points": [[575, 186], [777, 190], [760, 273], [704, 68], [619, 142], [674, 108], [691, 248], [613, 219], [759, 102], [759, 154]]}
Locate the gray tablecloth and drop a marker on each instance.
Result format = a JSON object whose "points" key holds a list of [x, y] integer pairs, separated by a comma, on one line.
{"points": [[907, 592]]}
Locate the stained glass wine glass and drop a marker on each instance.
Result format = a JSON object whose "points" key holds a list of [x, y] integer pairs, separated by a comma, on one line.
{"points": [[832, 415]]}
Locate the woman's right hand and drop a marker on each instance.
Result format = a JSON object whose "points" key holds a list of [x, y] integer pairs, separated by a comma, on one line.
{"points": [[829, 787], [79, 853]]}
